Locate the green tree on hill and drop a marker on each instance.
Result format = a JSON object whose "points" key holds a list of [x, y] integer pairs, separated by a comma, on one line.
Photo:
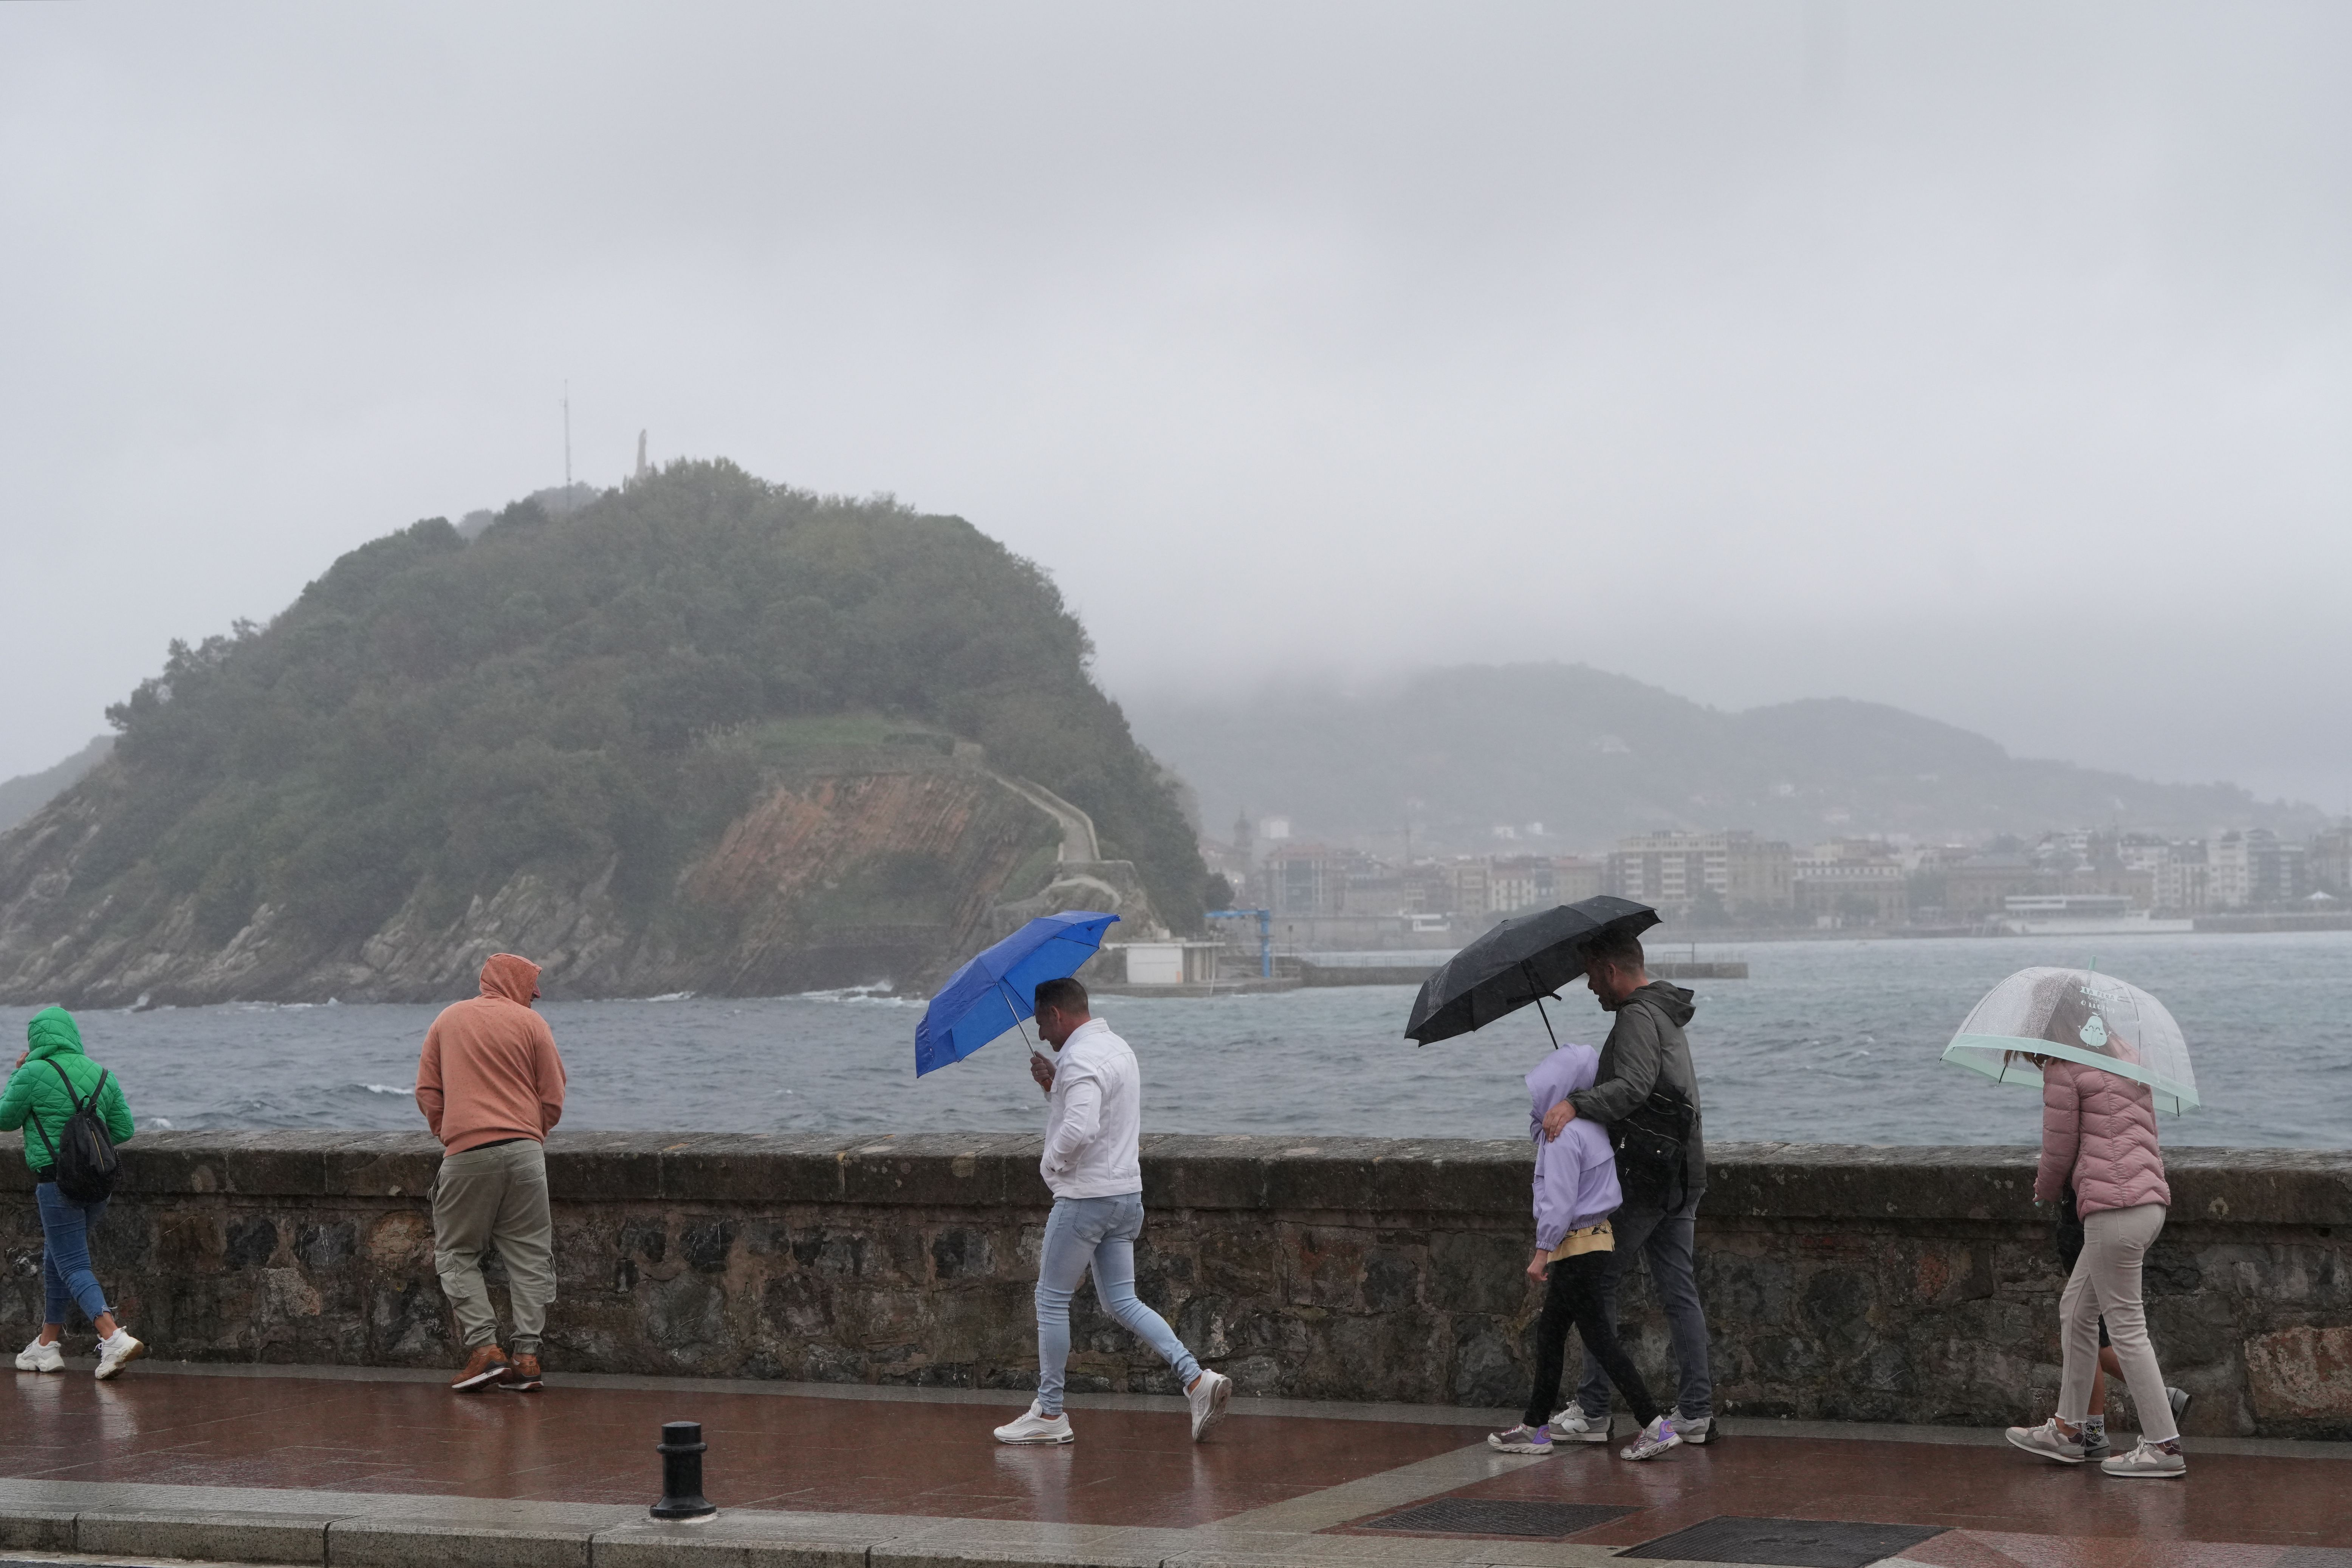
{"points": [[436, 714]]}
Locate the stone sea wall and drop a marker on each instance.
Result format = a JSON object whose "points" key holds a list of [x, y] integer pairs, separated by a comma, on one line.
{"points": [[1841, 1282]]}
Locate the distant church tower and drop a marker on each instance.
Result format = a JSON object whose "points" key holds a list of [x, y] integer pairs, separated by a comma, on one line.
{"points": [[642, 469], [1242, 833]]}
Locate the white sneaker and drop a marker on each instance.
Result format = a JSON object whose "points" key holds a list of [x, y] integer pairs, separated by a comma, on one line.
{"points": [[1572, 1425], [39, 1357], [1656, 1438], [118, 1352], [1033, 1428], [2147, 1460], [1695, 1429], [2048, 1442], [1210, 1393]]}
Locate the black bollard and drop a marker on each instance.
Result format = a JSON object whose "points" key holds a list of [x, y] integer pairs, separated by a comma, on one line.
{"points": [[682, 1449]]}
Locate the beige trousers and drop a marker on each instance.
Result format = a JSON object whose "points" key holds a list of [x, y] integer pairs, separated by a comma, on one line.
{"points": [[2106, 1283], [496, 1197]]}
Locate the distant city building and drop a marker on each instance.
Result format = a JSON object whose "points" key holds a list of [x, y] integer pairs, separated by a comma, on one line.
{"points": [[1733, 873], [2184, 884], [1320, 879], [2253, 870], [1851, 881], [2328, 860]]}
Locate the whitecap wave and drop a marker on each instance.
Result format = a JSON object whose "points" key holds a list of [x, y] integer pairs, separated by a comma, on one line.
{"points": [[881, 994], [390, 1089], [672, 996]]}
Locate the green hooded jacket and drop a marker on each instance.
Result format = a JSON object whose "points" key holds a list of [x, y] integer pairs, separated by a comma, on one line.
{"points": [[35, 1094]]}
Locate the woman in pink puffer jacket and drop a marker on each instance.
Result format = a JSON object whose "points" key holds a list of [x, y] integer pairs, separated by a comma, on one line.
{"points": [[2098, 1134]]}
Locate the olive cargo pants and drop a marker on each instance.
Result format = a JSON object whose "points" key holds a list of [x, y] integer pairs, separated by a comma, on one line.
{"points": [[496, 1196]]}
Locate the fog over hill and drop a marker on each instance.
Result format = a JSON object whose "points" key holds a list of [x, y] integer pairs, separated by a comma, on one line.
{"points": [[1454, 753]]}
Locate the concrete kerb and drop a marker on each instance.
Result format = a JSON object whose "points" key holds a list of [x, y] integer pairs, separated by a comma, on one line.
{"points": [[378, 1542], [36, 1527], [216, 1535], [415, 1533]]}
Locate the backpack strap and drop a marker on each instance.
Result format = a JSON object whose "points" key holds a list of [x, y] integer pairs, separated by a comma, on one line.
{"points": [[71, 1098]]}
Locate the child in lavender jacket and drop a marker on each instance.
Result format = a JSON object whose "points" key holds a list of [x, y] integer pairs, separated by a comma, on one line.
{"points": [[1575, 1192]]}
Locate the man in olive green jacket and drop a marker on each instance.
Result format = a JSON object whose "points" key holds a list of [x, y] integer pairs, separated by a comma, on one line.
{"points": [[51, 1075]]}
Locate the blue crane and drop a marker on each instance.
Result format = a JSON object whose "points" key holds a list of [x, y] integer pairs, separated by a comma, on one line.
{"points": [[1264, 935]]}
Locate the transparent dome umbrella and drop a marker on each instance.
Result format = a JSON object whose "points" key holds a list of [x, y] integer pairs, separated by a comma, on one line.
{"points": [[2083, 1016]]}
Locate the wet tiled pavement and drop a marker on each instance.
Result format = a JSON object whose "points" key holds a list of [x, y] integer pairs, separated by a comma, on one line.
{"points": [[2007, 1507], [1316, 1475], [769, 1451]]}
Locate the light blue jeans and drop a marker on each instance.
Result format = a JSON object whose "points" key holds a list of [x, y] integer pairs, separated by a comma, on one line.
{"points": [[1097, 1233], [67, 1279]]}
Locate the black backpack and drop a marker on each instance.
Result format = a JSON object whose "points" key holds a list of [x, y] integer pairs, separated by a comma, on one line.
{"points": [[83, 1162], [1652, 1144]]}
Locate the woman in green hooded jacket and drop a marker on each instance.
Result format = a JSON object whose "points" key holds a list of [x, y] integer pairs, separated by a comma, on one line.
{"points": [[51, 1075]]}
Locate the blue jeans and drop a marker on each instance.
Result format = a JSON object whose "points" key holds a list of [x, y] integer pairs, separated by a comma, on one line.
{"points": [[1099, 1232], [66, 1275], [1665, 1241]]}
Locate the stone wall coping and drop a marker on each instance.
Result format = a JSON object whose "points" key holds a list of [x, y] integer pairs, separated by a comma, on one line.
{"points": [[997, 1169]]}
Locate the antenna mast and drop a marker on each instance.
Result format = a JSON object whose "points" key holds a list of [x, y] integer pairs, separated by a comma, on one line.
{"points": [[567, 435]]}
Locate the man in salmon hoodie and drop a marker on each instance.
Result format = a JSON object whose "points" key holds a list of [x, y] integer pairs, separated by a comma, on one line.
{"points": [[491, 1087]]}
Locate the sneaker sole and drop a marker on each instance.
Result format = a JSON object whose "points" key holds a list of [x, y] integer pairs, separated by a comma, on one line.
{"points": [[1037, 1442], [2145, 1475], [1520, 1447], [107, 1373], [2042, 1453], [532, 1386], [1558, 1437], [467, 1385], [1219, 1398]]}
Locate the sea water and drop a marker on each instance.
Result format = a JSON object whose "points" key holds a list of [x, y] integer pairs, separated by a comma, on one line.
{"points": [[1826, 1042]]}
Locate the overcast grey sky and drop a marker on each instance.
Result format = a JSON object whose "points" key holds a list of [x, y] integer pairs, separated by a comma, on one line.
{"points": [[1989, 360]]}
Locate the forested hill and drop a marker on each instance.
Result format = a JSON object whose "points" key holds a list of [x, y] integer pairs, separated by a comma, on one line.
{"points": [[1594, 756], [705, 732]]}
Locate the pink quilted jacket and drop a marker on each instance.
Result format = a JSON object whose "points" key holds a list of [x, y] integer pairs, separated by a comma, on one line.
{"points": [[2098, 1130]]}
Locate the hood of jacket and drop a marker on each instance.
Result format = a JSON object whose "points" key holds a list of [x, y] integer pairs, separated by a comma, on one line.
{"points": [[509, 978], [1674, 1001], [52, 1032], [1561, 1074]]}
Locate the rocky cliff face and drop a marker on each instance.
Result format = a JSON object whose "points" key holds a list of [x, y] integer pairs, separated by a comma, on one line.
{"points": [[869, 866]]}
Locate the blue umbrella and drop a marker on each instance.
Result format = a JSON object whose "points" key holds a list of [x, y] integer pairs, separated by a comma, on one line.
{"points": [[994, 991]]}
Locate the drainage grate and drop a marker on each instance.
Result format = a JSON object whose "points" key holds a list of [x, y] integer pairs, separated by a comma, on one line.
{"points": [[1481, 1516], [1786, 1542]]}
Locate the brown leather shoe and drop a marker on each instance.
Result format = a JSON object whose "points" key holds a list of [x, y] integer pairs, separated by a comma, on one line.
{"points": [[486, 1365], [524, 1377]]}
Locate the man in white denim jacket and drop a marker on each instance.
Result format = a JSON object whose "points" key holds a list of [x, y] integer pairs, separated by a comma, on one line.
{"points": [[1094, 1099]]}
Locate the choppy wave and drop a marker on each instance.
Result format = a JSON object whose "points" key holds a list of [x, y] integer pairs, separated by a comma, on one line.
{"points": [[1829, 1042], [883, 995]]}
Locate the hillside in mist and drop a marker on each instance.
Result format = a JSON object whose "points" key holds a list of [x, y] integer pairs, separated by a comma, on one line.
{"points": [[1594, 756], [703, 733], [26, 794]]}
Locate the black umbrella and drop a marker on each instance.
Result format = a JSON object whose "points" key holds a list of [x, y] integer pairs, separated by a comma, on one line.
{"points": [[1524, 959]]}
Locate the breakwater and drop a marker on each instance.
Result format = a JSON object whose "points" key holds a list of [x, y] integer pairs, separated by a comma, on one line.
{"points": [[1842, 1282]]}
